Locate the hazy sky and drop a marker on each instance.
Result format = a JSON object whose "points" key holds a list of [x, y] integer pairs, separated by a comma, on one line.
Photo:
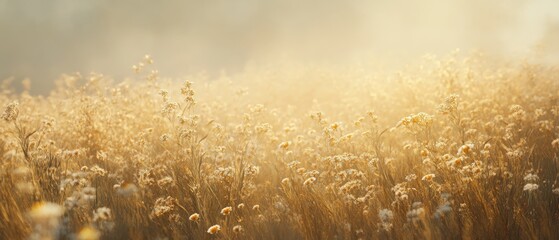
{"points": [[41, 39]]}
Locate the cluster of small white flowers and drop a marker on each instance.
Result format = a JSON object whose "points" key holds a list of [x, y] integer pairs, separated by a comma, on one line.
{"points": [[531, 182], [386, 216]]}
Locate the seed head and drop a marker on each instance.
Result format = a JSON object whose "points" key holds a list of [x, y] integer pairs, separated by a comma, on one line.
{"points": [[428, 177], [237, 229], [226, 211], [214, 229], [11, 112], [194, 217]]}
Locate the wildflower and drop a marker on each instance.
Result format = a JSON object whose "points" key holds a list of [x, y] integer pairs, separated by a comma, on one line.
{"points": [[359, 231], [530, 187], [293, 164], [455, 162], [428, 177], [443, 209], [463, 207], [169, 107], [11, 112], [96, 170], [309, 181], [256, 207], [450, 105], [334, 126], [416, 121], [517, 113], [226, 211], [163, 206], [350, 186], [188, 93], [146, 177], [416, 213], [531, 177], [214, 229], [224, 174], [237, 229], [386, 216], [241, 206], [165, 137], [194, 217], [103, 219], [165, 94], [465, 149], [102, 213], [284, 145], [88, 193], [162, 183], [252, 170], [401, 191], [477, 170], [411, 177]]}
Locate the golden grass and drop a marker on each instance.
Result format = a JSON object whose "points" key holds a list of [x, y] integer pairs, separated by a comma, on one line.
{"points": [[457, 147]]}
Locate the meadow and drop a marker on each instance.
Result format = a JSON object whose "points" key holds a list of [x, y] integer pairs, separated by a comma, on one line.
{"points": [[463, 146]]}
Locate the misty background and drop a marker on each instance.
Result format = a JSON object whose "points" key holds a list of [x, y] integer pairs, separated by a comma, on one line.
{"points": [[42, 39]]}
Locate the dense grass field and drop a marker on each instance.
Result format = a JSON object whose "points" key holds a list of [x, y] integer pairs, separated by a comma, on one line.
{"points": [[463, 146]]}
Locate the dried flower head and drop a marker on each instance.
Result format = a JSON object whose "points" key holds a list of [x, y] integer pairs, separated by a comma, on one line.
{"points": [[214, 229], [11, 112], [530, 187], [284, 145], [194, 217], [465, 149], [237, 229], [428, 177], [309, 181], [102, 213], [226, 211]]}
